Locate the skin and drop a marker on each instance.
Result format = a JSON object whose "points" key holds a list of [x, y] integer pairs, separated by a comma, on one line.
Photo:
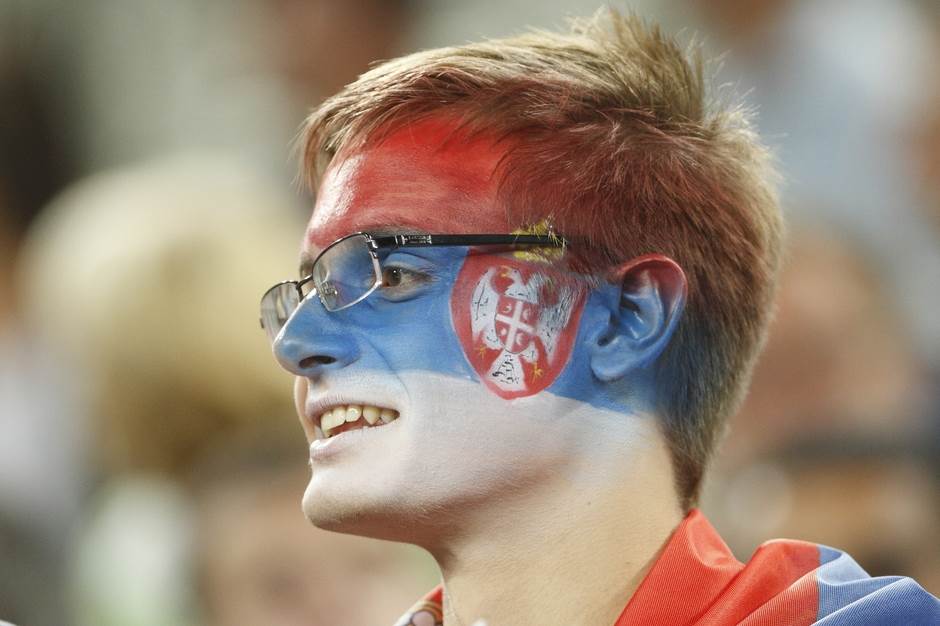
{"points": [[570, 478]]}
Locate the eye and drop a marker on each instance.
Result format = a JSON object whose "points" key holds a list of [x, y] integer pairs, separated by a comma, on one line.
{"points": [[401, 283], [392, 276]]}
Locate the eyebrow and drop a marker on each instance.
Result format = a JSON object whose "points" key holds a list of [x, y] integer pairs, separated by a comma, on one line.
{"points": [[307, 259]]}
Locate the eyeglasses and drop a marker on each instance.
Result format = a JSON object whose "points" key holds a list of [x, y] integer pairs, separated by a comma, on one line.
{"points": [[350, 269]]}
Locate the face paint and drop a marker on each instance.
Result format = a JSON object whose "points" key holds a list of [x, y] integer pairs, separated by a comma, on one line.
{"points": [[516, 324], [475, 359], [421, 177]]}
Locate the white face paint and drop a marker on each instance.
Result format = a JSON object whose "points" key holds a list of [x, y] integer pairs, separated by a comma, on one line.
{"points": [[454, 451]]}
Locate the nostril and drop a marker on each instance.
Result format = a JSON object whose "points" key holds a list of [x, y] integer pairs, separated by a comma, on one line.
{"points": [[316, 360]]}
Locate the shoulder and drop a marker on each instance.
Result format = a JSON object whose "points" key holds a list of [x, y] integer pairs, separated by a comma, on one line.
{"points": [[848, 595], [697, 581]]}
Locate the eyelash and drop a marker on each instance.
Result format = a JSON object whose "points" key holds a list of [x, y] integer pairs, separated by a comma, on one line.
{"points": [[410, 281]]}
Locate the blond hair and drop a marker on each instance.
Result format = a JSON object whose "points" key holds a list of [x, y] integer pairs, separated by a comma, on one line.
{"points": [[163, 262], [615, 142]]}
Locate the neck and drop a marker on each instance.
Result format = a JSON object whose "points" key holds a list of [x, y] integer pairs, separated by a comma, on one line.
{"points": [[573, 552]]}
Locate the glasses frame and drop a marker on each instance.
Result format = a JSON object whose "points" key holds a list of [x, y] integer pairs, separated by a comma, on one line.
{"points": [[377, 243]]}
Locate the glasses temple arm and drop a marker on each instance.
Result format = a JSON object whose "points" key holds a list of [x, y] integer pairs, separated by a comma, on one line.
{"points": [[413, 241]]}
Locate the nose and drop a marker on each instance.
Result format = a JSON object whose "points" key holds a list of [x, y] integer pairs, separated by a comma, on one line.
{"points": [[314, 342]]}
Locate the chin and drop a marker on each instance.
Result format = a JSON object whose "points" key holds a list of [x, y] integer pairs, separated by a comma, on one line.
{"points": [[456, 452], [364, 510]]}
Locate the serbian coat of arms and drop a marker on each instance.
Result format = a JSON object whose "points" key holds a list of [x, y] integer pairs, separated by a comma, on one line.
{"points": [[516, 322]]}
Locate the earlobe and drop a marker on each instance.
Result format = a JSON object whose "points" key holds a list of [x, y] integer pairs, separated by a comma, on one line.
{"points": [[652, 293]]}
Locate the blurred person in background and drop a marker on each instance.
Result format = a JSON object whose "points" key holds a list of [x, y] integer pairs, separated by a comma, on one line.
{"points": [[320, 45], [163, 261], [876, 496], [839, 356], [927, 143], [156, 256], [834, 442], [223, 75], [42, 473], [837, 87], [545, 438], [923, 131], [259, 562]]}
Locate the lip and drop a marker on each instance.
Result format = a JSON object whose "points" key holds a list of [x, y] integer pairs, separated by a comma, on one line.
{"points": [[362, 388], [322, 450], [314, 409]]}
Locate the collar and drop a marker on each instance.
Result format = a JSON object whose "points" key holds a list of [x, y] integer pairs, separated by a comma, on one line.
{"points": [[697, 580]]}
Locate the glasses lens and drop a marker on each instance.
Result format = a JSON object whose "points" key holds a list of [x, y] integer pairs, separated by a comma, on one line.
{"points": [[346, 273], [276, 306]]}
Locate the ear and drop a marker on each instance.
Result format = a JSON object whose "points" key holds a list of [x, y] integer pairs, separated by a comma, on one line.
{"points": [[642, 320]]}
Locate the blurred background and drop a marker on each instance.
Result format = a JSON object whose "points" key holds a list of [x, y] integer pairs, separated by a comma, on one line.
{"points": [[151, 466]]}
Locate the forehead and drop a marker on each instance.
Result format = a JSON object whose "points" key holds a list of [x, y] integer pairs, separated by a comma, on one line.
{"points": [[424, 176]]}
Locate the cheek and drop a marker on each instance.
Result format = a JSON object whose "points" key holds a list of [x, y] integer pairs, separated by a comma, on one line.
{"points": [[300, 398], [515, 324], [410, 335], [454, 416]]}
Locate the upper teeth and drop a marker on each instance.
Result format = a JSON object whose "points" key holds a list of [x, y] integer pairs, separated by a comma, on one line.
{"points": [[341, 414]]}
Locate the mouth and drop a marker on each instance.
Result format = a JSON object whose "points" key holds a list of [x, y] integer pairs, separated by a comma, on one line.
{"points": [[343, 417]]}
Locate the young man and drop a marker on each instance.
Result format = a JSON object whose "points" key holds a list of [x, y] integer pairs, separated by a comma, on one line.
{"points": [[523, 361]]}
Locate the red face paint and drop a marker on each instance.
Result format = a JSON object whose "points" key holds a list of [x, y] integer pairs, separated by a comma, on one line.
{"points": [[516, 322], [424, 176]]}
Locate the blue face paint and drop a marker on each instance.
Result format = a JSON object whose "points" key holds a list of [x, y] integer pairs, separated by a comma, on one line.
{"points": [[397, 329], [510, 324]]}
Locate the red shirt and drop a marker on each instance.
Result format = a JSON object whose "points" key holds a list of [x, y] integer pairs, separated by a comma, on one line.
{"points": [[697, 582]]}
